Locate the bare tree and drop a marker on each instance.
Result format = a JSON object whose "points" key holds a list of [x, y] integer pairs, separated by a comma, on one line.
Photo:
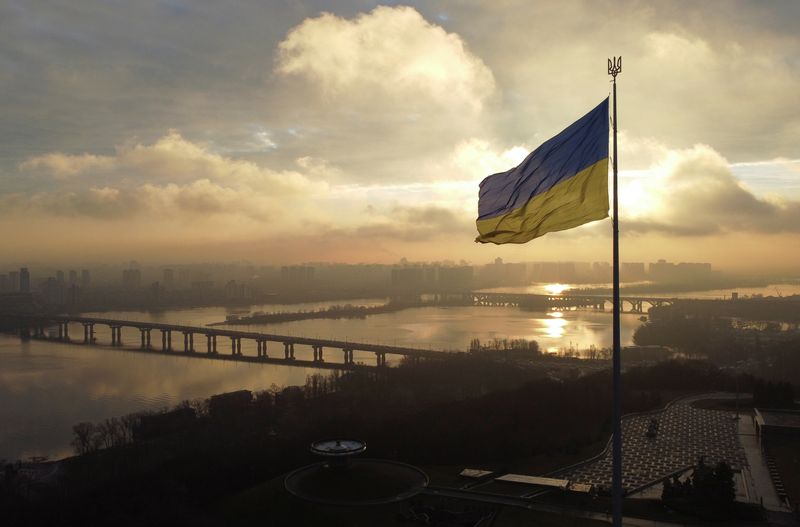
{"points": [[83, 440]]}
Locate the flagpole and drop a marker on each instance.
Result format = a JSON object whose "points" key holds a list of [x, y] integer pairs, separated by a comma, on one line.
{"points": [[614, 68]]}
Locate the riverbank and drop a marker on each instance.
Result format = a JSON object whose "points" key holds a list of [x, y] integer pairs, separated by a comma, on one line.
{"points": [[332, 312]]}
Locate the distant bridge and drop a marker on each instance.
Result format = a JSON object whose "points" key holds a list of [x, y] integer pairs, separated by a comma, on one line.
{"points": [[36, 326], [629, 304]]}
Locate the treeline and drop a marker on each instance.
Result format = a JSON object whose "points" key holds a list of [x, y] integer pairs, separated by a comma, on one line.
{"points": [[89, 437], [693, 336], [784, 309], [709, 491], [776, 353], [530, 347]]}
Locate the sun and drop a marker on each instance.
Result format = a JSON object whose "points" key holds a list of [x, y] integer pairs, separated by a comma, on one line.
{"points": [[556, 289]]}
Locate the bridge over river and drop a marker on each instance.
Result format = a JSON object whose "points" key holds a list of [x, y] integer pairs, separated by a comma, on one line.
{"points": [[629, 304], [56, 328]]}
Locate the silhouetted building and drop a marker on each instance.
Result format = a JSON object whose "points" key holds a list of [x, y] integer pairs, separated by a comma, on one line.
{"points": [[693, 271], [632, 271], [60, 277], [5, 284], [85, 278], [664, 271], [452, 279], [131, 278], [73, 276], [13, 281], [430, 276], [24, 280], [53, 291], [156, 292], [583, 272], [601, 271], [345, 276], [201, 291], [168, 276], [297, 275], [544, 272], [566, 272], [73, 295], [237, 291], [500, 273], [408, 279]]}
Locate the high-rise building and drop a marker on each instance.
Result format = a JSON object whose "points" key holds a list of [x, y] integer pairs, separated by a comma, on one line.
{"points": [[408, 279], [24, 280], [455, 278], [661, 271], [13, 281], [500, 273], [73, 276], [5, 285], [131, 278], [601, 271], [297, 275], [632, 271], [85, 278], [169, 276], [53, 291], [73, 295], [60, 277]]}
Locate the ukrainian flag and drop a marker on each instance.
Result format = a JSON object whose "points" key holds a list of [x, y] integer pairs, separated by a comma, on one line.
{"points": [[560, 185]]}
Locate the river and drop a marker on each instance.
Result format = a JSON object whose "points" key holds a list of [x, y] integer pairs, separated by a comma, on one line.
{"points": [[45, 388]]}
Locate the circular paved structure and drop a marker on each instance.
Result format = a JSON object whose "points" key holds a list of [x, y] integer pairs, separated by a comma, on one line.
{"points": [[359, 482]]}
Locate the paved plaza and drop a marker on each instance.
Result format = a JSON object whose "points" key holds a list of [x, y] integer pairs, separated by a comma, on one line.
{"points": [[684, 434]]}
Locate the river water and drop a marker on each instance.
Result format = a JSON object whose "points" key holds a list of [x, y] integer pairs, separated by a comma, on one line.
{"points": [[46, 387]]}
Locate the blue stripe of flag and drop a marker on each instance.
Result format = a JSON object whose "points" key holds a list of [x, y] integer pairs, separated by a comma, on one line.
{"points": [[579, 146]]}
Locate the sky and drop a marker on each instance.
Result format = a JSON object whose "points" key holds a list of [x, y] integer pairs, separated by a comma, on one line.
{"points": [[292, 131]]}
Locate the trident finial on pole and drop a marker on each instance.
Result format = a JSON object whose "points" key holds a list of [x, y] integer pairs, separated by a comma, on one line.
{"points": [[615, 66]]}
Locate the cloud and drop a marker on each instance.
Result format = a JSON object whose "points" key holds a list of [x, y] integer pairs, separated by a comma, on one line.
{"points": [[200, 198], [389, 52], [476, 158], [403, 223], [63, 166], [170, 158], [693, 192], [165, 179]]}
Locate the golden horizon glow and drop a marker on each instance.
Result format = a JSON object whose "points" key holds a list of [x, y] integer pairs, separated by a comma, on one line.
{"points": [[556, 289]]}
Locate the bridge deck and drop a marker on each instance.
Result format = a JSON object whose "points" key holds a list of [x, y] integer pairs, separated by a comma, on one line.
{"points": [[202, 330]]}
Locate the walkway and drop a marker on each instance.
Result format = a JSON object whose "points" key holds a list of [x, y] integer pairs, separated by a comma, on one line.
{"points": [[685, 434], [759, 483]]}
